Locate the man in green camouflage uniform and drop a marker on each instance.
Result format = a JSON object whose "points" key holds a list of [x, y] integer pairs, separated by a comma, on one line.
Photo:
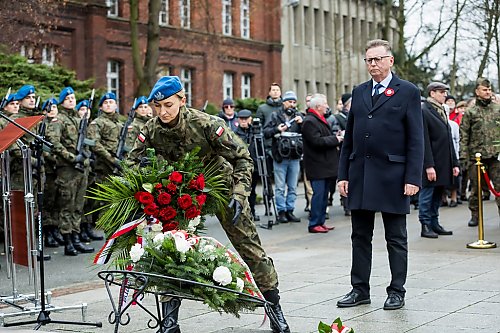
{"points": [[141, 108], [71, 183], [478, 132], [178, 130]]}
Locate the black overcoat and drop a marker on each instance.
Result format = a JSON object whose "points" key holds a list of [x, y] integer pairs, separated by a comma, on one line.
{"points": [[438, 147], [320, 148], [383, 147]]}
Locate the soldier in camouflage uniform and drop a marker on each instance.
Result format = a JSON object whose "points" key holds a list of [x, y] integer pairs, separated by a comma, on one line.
{"points": [[71, 183], [478, 133], [141, 108], [178, 130]]}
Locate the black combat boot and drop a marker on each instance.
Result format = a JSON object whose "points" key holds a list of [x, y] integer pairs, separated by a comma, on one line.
{"points": [[84, 237], [69, 249], [49, 238], [290, 217], [427, 232], [89, 230], [282, 217], [79, 246], [170, 313], [56, 234], [281, 326]]}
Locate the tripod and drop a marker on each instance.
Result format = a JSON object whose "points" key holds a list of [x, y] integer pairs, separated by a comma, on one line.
{"points": [[267, 191], [43, 313]]}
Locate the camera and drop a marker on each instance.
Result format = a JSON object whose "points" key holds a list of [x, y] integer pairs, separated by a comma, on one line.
{"points": [[290, 112], [256, 126]]}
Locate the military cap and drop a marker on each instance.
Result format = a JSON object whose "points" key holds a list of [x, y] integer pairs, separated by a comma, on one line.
{"points": [[437, 86], [25, 91], [85, 103], [139, 101], [52, 100], [108, 95], [244, 113], [65, 92], [227, 101], [165, 87], [483, 82], [289, 96]]}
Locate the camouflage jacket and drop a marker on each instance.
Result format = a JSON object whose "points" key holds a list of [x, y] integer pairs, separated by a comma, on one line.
{"points": [[479, 130], [4, 122], [105, 131], [14, 150], [197, 129], [62, 132], [134, 129]]}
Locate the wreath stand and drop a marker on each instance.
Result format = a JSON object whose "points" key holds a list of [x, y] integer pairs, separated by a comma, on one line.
{"points": [[137, 284]]}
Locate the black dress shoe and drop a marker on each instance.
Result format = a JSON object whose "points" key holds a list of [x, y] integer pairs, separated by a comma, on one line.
{"points": [[441, 231], [394, 302], [427, 232], [353, 299], [453, 204], [282, 217], [472, 222], [291, 218]]}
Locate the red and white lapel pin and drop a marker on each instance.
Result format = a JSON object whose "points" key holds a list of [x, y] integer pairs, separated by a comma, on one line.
{"points": [[389, 92]]}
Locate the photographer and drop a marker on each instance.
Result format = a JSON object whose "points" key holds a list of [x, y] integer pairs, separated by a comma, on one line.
{"points": [[246, 132], [284, 128]]}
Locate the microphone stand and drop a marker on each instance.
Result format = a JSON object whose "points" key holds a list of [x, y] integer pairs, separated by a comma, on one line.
{"points": [[44, 314]]}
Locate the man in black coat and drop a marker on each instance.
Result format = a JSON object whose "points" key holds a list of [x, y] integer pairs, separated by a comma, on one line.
{"points": [[380, 168], [440, 160], [320, 159]]}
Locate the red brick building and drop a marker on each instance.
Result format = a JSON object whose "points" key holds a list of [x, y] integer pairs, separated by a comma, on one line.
{"points": [[219, 48]]}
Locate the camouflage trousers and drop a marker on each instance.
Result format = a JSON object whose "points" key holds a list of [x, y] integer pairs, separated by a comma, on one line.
{"points": [[71, 186], [49, 209], [246, 241], [492, 166]]}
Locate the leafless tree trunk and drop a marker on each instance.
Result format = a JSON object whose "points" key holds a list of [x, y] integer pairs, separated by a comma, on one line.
{"points": [[453, 75], [492, 16]]}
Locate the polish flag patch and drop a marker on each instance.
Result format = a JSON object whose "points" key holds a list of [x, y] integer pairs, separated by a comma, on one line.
{"points": [[219, 131], [141, 137]]}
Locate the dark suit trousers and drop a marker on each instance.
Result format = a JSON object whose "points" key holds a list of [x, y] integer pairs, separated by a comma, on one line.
{"points": [[363, 222]]}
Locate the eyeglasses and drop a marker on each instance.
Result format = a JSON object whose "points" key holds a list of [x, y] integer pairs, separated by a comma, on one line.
{"points": [[376, 59], [228, 106]]}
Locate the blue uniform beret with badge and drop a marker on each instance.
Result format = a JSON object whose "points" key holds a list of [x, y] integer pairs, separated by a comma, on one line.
{"points": [[12, 98], [52, 100], [24, 91], [85, 103], [139, 101], [65, 92], [164, 88], [108, 95]]}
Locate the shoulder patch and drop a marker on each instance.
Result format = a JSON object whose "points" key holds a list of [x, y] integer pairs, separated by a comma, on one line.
{"points": [[141, 137], [54, 120], [93, 122], [219, 131]]}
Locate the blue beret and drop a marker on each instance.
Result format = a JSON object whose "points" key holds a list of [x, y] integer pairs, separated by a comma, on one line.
{"points": [[108, 95], [12, 97], [165, 87], [85, 102], [51, 100], [25, 91], [139, 101], [65, 92]]}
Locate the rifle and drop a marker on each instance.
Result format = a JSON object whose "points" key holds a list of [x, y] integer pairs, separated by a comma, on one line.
{"points": [[204, 109], [122, 148], [4, 100], [82, 140]]}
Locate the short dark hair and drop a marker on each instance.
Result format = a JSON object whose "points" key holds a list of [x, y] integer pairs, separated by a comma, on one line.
{"points": [[378, 42], [483, 82], [274, 84]]}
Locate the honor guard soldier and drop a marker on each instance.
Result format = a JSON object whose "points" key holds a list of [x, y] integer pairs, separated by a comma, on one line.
{"points": [[175, 131], [71, 183], [142, 115]]}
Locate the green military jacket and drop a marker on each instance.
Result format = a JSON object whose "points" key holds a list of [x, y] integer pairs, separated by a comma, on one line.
{"points": [[197, 129], [105, 131], [134, 129], [479, 130], [62, 132], [15, 151], [4, 122]]}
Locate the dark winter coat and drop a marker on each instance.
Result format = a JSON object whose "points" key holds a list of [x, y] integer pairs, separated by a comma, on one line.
{"points": [[271, 130], [320, 148], [231, 123]]}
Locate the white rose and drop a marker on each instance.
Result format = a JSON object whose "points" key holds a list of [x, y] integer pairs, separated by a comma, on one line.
{"points": [[158, 239], [157, 227], [194, 222], [181, 244], [239, 284], [136, 252], [142, 225], [222, 275]]}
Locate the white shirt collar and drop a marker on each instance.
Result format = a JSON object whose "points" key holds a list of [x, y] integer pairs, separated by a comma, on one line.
{"points": [[385, 82]]}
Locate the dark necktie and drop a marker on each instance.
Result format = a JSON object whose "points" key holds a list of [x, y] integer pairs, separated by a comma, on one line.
{"points": [[376, 94]]}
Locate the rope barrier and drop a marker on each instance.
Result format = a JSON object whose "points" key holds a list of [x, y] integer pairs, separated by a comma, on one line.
{"points": [[490, 184]]}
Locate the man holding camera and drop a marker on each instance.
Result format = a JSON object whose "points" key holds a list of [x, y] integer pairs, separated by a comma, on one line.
{"points": [[284, 128]]}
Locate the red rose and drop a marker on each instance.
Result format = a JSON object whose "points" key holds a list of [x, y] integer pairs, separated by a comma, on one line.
{"points": [[170, 226], [158, 186], [176, 177], [201, 199], [172, 188], [151, 209], [144, 198], [167, 214], [164, 198], [192, 212], [197, 183], [185, 201]]}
